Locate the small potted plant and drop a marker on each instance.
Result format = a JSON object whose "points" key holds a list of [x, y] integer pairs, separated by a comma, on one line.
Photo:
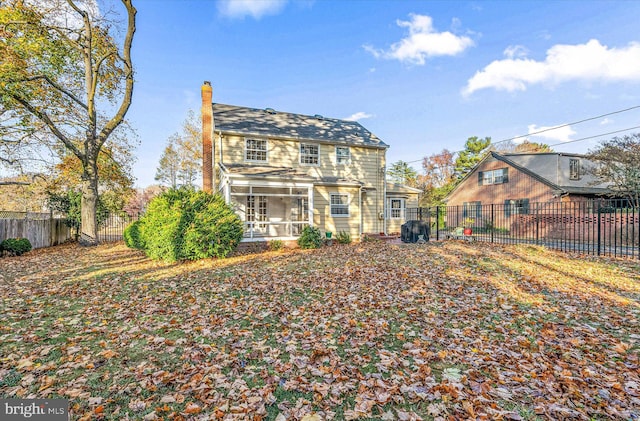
{"points": [[467, 225]]}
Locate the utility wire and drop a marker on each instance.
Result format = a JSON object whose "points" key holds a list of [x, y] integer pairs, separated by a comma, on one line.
{"points": [[557, 127], [555, 144], [598, 135]]}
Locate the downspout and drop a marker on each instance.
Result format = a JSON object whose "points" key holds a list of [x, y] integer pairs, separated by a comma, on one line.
{"points": [[220, 150], [384, 203], [384, 198], [360, 210]]}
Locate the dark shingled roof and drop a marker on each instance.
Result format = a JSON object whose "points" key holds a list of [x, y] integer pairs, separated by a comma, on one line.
{"points": [[269, 123]]}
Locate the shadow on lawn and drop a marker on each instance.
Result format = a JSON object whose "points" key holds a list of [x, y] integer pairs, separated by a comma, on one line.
{"points": [[529, 279]]}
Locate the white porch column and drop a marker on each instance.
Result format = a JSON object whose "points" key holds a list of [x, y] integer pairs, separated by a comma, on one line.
{"points": [[227, 192], [310, 198]]}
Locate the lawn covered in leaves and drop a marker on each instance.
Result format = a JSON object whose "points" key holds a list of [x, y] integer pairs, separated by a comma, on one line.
{"points": [[449, 330]]}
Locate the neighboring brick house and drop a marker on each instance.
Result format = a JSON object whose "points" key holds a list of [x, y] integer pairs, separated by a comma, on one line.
{"points": [[511, 182], [282, 171]]}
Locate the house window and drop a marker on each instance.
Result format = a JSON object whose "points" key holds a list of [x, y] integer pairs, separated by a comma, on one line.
{"points": [[498, 176], [256, 208], [516, 207], [343, 154], [339, 204], [309, 154], [574, 169], [255, 150], [396, 208], [472, 210]]}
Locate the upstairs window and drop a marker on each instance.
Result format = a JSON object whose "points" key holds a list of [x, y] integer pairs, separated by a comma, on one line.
{"points": [[339, 204], [309, 154], [255, 150], [574, 169], [499, 176], [343, 154]]}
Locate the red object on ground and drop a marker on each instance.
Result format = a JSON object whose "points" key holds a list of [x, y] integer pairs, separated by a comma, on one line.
{"points": [[468, 231]]}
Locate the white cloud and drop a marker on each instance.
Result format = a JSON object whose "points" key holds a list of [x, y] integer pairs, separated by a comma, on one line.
{"points": [[515, 51], [360, 115], [587, 62], [553, 133], [254, 8], [422, 42], [606, 121]]}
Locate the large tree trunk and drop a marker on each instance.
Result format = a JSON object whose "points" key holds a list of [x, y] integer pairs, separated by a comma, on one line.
{"points": [[89, 206]]}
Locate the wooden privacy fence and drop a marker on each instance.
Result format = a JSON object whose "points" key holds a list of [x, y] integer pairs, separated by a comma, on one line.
{"points": [[41, 229]]}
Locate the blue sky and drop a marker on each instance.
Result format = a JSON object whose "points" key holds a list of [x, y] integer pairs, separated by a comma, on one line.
{"points": [[422, 76]]}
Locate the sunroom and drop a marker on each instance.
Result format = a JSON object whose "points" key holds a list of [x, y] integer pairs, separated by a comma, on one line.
{"points": [[269, 206]]}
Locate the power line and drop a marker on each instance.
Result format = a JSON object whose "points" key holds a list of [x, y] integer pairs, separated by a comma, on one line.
{"points": [[598, 135], [556, 144], [558, 127], [570, 124]]}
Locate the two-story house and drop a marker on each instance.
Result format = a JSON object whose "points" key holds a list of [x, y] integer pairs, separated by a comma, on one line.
{"points": [[513, 181], [281, 171]]}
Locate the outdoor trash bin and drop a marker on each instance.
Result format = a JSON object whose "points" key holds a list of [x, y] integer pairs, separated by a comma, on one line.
{"points": [[413, 231]]}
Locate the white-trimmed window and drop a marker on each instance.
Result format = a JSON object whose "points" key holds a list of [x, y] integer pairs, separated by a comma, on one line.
{"points": [[396, 208], [516, 207], [499, 176], [574, 169], [309, 154], [343, 155], [339, 204], [256, 208], [255, 150]]}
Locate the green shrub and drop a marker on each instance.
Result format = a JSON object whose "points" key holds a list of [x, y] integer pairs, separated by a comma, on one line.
{"points": [[133, 236], [275, 245], [183, 224], [15, 246], [343, 237], [311, 238]]}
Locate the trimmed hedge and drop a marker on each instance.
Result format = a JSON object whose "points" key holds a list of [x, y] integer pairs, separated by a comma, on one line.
{"points": [[15, 246], [183, 224]]}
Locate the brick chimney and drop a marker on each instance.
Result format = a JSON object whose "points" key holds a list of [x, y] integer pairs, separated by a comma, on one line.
{"points": [[207, 137]]}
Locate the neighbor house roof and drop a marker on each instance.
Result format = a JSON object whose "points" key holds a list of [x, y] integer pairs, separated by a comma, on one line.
{"points": [[545, 168], [267, 122], [401, 188]]}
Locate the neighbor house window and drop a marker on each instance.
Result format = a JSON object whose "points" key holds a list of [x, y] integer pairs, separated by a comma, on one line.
{"points": [[309, 154], [516, 207], [574, 169], [472, 210], [255, 150], [396, 208], [343, 154], [498, 176], [339, 204]]}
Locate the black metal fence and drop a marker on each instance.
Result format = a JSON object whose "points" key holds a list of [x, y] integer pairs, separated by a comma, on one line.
{"points": [[112, 227], [598, 227]]}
